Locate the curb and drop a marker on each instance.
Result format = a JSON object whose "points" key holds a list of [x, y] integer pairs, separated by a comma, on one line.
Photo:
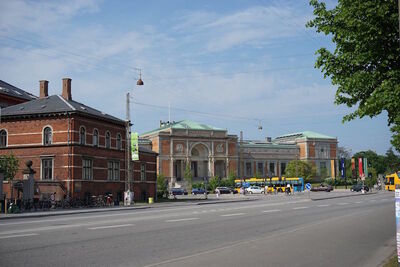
{"points": [[71, 212]]}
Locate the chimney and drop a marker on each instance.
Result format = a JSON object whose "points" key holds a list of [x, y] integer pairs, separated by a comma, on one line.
{"points": [[44, 89], [66, 91]]}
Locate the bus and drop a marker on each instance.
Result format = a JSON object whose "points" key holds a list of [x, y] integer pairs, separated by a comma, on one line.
{"points": [[391, 180], [297, 183]]}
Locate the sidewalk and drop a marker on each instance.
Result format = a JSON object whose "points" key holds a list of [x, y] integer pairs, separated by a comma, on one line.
{"points": [[136, 206]]}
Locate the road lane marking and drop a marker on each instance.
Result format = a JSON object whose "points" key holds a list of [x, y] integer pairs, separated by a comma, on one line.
{"points": [[299, 208], [358, 202], [182, 220], [268, 211], [343, 203], [110, 226], [232, 214], [323, 205], [13, 236]]}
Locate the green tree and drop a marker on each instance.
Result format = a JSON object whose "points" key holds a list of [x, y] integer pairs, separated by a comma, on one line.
{"points": [[214, 183], [378, 162], [9, 167], [162, 187], [299, 168], [365, 64], [230, 181], [392, 161], [188, 177]]}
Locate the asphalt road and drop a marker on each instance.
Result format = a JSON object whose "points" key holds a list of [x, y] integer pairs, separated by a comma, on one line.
{"points": [[269, 231]]}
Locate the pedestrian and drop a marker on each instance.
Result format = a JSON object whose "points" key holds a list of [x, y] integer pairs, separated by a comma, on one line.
{"points": [[274, 189], [266, 189], [288, 189]]}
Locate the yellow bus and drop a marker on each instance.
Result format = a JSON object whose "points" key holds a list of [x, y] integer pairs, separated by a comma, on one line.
{"points": [[279, 184], [391, 180]]}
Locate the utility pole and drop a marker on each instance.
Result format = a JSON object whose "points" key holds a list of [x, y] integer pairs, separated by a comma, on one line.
{"points": [[128, 146]]}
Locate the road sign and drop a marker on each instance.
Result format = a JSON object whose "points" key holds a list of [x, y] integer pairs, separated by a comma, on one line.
{"points": [[308, 186]]}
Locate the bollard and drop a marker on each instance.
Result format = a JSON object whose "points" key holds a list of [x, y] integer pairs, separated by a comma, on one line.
{"points": [[151, 200]]}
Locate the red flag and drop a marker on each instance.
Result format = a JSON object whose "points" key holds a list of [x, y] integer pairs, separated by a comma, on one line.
{"points": [[360, 167]]}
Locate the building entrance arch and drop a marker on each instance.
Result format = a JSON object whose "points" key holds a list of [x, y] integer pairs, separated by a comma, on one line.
{"points": [[199, 158]]}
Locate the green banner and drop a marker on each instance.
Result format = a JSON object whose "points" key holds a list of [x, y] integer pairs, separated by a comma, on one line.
{"points": [[135, 146]]}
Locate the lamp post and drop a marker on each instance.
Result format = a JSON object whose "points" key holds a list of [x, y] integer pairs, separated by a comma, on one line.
{"points": [[128, 169]]}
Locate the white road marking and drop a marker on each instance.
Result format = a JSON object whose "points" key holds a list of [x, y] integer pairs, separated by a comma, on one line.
{"points": [[182, 220], [268, 211], [13, 236], [343, 203], [323, 205], [358, 202], [299, 208], [232, 214], [110, 226]]}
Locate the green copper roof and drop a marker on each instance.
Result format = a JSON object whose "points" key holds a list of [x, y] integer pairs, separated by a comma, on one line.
{"points": [[186, 124], [306, 134]]}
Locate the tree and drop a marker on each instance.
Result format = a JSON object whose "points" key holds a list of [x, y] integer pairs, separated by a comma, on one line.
{"points": [[162, 188], [365, 65], [378, 162], [344, 152], [214, 183], [392, 161], [9, 167], [188, 177], [299, 168]]}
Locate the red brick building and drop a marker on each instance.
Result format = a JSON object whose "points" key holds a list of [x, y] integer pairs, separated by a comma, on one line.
{"points": [[76, 150], [145, 175], [11, 95]]}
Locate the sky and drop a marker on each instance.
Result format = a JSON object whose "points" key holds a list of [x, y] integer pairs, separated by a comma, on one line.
{"points": [[236, 65]]}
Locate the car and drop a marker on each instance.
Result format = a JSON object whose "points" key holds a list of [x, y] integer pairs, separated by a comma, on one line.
{"points": [[254, 189], [177, 191], [322, 187], [198, 191], [233, 190], [223, 190], [359, 187]]}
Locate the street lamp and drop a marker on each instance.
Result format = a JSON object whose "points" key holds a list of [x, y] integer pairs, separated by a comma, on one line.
{"points": [[128, 177]]}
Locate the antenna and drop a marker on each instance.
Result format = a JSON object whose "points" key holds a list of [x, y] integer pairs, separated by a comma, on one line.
{"points": [[259, 126], [169, 111]]}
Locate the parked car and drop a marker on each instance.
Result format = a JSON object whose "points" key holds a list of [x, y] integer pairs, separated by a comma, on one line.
{"points": [[178, 191], [223, 190], [233, 190], [254, 189], [322, 187], [359, 187], [198, 191]]}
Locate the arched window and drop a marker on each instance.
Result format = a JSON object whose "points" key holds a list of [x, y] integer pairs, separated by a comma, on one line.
{"points": [[82, 136], [3, 138], [47, 136], [95, 138], [108, 140], [119, 144]]}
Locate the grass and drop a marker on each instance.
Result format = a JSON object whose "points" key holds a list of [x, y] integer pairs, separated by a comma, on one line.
{"points": [[392, 262]]}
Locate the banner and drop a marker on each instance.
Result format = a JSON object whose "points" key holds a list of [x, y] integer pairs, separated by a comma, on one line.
{"points": [[353, 167], [360, 168], [135, 146], [365, 167], [397, 212], [342, 167]]}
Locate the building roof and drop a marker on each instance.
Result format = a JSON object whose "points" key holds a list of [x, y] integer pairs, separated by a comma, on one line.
{"points": [[185, 124], [305, 134], [11, 90], [55, 104], [146, 150]]}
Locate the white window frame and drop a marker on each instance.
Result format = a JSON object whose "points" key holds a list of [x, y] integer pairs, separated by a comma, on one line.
{"points": [[42, 168], [44, 135], [97, 136], [113, 170], [143, 171], [82, 141], [88, 176], [6, 136], [119, 141], [107, 144]]}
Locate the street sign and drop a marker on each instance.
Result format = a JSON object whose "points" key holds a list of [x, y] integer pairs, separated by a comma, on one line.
{"points": [[308, 186]]}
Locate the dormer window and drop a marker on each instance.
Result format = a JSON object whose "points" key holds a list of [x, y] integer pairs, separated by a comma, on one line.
{"points": [[47, 136], [82, 136]]}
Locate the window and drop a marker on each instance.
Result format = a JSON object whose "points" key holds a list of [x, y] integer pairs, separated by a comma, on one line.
{"points": [[248, 169], [119, 145], [143, 172], [108, 140], [260, 168], [283, 168], [113, 170], [95, 138], [272, 168], [47, 169], [87, 169], [82, 136], [3, 138], [47, 136]]}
